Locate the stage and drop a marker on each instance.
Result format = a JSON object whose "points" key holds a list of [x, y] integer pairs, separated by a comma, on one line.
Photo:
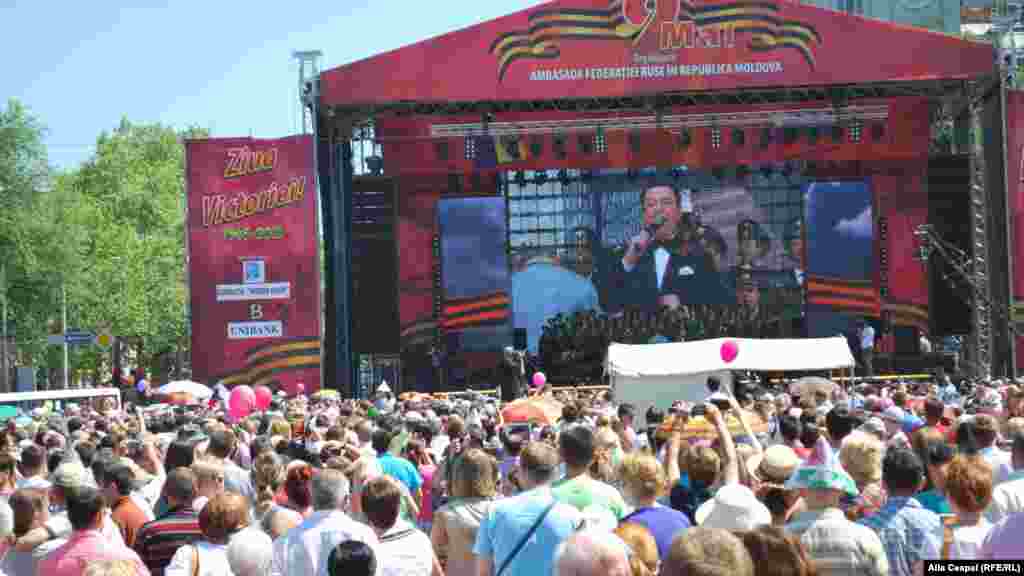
{"points": [[799, 164]]}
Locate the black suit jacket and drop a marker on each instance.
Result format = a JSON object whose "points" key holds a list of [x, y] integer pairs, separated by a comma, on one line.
{"points": [[687, 276]]}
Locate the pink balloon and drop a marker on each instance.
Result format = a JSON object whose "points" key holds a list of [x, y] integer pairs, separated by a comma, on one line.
{"points": [[263, 397], [241, 402], [729, 351], [300, 389], [539, 379]]}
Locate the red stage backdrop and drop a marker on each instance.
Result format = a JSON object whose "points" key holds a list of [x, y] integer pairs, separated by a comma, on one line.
{"points": [[254, 265]]}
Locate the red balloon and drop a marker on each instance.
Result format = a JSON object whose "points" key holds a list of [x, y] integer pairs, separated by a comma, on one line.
{"points": [[263, 397], [729, 351], [241, 402]]}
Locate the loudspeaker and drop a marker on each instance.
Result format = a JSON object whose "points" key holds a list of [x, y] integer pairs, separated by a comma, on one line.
{"points": [[949, 181]]}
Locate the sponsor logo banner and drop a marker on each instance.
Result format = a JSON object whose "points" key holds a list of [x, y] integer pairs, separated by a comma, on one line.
{"points": [[254, 265]]}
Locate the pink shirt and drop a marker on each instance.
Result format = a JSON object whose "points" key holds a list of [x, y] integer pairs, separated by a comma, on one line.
{"points": [[83, 547], [1003, 541], [427, 500]]}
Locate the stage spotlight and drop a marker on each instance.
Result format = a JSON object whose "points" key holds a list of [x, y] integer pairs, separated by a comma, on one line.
{"points": [[375, 164], [877, 131], [739, 137], [586, 144], [563, 177], [632, 174], [558, 146], [812, 134], [837, 133], [540, 176], [441, 150], [677, 174], [742, 171], [684, 138], [520, 178], [536, 146], [767, 170], [766, 137], [718, 172]]}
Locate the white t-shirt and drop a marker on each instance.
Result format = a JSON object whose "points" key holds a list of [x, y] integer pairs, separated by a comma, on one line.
{"points": [[213, 560], [867, 338], [406, 551], [661, 257], [967, 541]]}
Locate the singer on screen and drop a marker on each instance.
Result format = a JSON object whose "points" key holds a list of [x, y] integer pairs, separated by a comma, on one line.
{"points": [[661, 266]]}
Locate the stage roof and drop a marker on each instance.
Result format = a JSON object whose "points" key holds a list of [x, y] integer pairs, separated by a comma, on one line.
{"points": [[580, 50]]}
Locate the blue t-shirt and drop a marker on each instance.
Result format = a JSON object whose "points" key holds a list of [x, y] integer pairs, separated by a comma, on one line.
{"points": [[508, 520], [663, 523], [402, 470]]}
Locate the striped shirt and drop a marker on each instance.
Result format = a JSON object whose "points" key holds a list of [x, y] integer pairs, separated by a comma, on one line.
{"points": [[157, 541], [837, 546]]}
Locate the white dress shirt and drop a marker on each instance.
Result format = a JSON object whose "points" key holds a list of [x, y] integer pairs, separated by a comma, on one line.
{"points": [[303, 550], [661, 257], [1007, 498]]}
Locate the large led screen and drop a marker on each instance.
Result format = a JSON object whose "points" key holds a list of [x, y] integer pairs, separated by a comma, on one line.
{"points": [[474, 274]]}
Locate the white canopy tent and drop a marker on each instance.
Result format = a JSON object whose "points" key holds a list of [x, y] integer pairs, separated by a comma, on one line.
{"points": [[659, 374]]}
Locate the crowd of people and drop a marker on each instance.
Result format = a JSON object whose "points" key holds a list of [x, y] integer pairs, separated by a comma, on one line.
{"points": [[865, 479]]}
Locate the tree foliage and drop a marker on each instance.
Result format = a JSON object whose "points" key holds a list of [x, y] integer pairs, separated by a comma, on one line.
{"points": [[110, 233]]}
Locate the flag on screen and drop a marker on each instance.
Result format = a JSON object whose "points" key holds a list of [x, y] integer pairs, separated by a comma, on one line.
{"points": [[512, 149]]}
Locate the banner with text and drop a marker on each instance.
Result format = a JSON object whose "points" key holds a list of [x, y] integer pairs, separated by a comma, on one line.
{"points": [[254, 266]]}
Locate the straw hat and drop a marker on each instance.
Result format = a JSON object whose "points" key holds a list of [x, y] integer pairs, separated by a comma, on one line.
{"points": [[775, 465]]}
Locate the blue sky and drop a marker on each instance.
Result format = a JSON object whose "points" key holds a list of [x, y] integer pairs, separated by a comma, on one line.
{"points": [[840, 232], [226, 66]]}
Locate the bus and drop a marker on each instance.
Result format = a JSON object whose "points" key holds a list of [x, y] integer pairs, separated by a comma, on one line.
{"points": [[24, 402]]}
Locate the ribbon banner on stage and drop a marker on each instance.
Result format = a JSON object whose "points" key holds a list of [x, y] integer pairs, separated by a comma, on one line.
{"points": [[254, 264]]}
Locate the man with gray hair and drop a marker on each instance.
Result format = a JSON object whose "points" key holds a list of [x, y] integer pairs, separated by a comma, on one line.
{"points": [[592, 553], [250, 553], [303, 550]]}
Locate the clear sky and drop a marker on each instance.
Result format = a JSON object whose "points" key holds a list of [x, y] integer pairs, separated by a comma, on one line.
{"points": [[224, 65]]}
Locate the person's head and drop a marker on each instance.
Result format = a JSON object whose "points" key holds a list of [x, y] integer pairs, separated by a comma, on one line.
{"points": [[331, 490], [592, 553], [473, 475], [790, 428], [279, 520], [267, 476], [351, 558], [986, 430], [861, 456], [643, 479], [223, 444], [85, 508], [707, 552], [539, 464], [703, 464], [776, 553], [381, 500], [809, 432], [662, 201], [33, 460], [839, 423], [298, 484], [968, 484], [933, 410], [643, 559], [209, 477], [902, 472], [180, 488], [381, 440], [250, 553], [576, 447], [118, 482], [627, 413], [180, 454], [31, 509], [223, 516]]}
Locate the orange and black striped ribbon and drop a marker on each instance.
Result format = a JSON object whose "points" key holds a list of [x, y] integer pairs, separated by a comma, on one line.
{"points": [[488, 310], [855, 296], [907, 314], [265, 363]]}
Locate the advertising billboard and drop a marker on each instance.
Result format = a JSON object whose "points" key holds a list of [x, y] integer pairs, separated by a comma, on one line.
{"points": [[254, 266]]}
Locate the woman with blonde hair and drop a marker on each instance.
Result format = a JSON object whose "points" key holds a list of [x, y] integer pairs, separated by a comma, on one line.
{"points": [[861, 456], [607, 454], [643, 482], [453, 533], [644, 559], [209, 482]]}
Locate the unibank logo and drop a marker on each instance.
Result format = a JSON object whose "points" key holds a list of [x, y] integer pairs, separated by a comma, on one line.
{"points": [[660, 26]]}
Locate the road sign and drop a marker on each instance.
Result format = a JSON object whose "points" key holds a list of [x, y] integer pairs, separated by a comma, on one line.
{"points": [[79, 337]]}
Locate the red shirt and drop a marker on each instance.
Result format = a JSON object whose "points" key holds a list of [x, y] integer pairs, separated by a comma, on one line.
{"points": [[129, 518]]}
